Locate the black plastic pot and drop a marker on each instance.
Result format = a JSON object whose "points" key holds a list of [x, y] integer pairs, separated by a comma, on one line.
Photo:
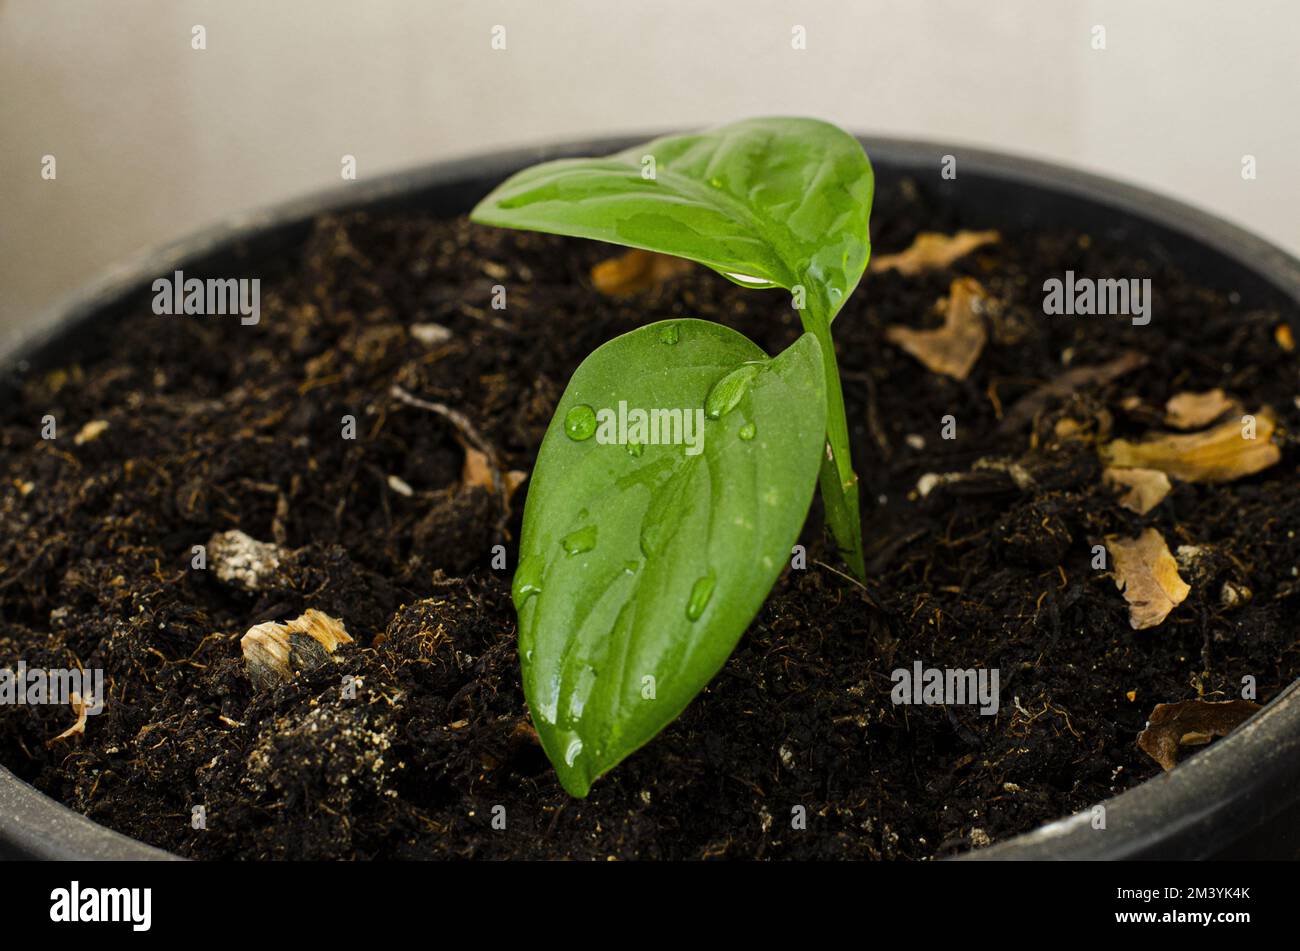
{"points": [[1239, 797]]}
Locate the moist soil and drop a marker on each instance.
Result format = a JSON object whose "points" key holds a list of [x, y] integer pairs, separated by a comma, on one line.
{"points": [[215, 426]]}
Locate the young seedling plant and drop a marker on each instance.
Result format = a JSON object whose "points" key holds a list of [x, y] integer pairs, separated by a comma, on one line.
{"points": [[643, 561]]}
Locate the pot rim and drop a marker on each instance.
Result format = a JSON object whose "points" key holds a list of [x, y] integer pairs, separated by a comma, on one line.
{"points": [[1211, 800]]}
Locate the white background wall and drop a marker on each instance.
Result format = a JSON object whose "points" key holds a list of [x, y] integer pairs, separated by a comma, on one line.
{"points": [[154, 139]]}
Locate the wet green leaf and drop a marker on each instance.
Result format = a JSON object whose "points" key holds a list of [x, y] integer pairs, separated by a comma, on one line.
{"points": [[645, 555], [766, 202]]}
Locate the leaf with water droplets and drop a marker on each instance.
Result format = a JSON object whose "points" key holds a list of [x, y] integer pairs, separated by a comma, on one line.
{"points": [[641, 570], [772, 202]]}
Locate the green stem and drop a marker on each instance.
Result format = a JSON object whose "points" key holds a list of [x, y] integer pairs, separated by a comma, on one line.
{"points": [[838, 481]]}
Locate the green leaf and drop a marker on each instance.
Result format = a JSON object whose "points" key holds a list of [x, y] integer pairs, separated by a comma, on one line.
{"points": [[781, 201], [643, 564]]}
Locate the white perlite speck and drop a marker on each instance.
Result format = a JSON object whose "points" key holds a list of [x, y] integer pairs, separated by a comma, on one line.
{"points": [[242, 560]]}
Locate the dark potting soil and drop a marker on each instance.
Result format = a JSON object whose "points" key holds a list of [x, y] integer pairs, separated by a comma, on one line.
{"points": [[214, 426]]}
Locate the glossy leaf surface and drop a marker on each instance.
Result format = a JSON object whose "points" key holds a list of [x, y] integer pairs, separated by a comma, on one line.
{"points": [[642, 563]]}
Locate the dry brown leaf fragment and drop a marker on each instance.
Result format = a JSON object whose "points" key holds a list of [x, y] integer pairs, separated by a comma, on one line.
{"points": [[1194, 410], [1284, 337], [953, 348], [477, 473], [1223, 453], [1141, 489], [1147, 574], [1190, 723], [636, 271], [932, 250], [514, 479]]}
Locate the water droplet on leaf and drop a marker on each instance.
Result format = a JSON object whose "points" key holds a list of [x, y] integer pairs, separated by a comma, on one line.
{"points": [[701, 592], [584, 539], [580, 422], [747, 431], [527, 581], [670, 334], [730, 390]]}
